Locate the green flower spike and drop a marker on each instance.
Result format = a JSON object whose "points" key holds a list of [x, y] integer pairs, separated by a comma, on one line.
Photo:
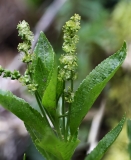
{"points": [[24, 32], [68, 61], [27, 36], [70, 38]]}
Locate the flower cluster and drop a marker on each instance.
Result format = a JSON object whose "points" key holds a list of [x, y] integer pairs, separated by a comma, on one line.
{"points": [[69, 65], [68, 61], [27, 36], [6, 73], [70, 38], [26, 80], [69, 95]]}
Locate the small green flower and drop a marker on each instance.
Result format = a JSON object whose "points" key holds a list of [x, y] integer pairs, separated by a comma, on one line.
{"points": [[27, 58], [32, 87], [69, 95], [24, 32], [25, 80], [15, 75], [23, 47], [69, 62], [70, 38], [64, 75], [7, 73]]}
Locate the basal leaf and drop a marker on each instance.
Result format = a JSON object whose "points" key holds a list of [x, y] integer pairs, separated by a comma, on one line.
{"points": [[44, 66], [106, 142], [25, 112], [92, 86]]}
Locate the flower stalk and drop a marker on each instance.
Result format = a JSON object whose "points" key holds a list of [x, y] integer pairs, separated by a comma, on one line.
{"points": [[68, 62]]}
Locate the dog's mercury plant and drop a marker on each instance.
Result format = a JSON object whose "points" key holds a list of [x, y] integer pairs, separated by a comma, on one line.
{"points": [[54, 129]]}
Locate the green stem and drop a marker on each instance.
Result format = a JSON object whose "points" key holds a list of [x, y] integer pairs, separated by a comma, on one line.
{"points": [[63, 109], [65, 115], [51, 119], [72, 84], [41, 108], [46, 111], [24, 157], [69, 108]]}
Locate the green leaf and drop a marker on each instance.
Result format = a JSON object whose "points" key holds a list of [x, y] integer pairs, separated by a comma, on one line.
{"points": [[35, 124], [51, 147], [25, 112], [106, 142], [92, 86], [40, 76], [59, 89], [43, 63], [60, 149], [49, 97], [34, 139]]}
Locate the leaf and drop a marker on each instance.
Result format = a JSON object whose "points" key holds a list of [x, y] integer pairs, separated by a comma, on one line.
{"points": [[59, 89], [129, 129], [45, 73], [106, 142], [43, 63], [34, 139], [49, 97], [52, 147], [60, 149], [25, 112], [92, 86], [34, 122], [41, 76]]}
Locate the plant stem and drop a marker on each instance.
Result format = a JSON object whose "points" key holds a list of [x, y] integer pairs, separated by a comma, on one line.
{"points": [[41, 108], [63, 108], [72, 84], [24, 157], [69, 108], [46, 111], [49, 118]]}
